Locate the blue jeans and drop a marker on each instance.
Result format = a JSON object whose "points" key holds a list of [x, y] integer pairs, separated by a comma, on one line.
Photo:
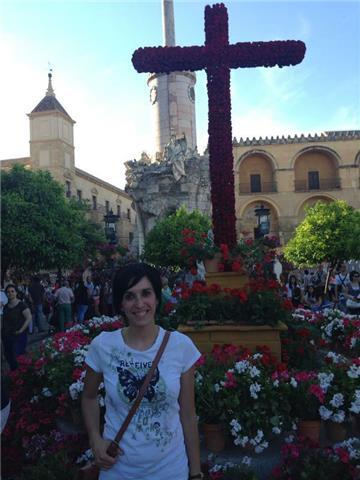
{"points": [[14, 345], [81, 312]]}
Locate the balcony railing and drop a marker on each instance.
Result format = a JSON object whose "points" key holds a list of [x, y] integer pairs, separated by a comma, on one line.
{"points": [[324, 184], [265, 187]]}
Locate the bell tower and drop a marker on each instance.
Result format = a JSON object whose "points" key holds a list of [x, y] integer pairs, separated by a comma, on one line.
{"points": [[172, 96], [52, 139]]}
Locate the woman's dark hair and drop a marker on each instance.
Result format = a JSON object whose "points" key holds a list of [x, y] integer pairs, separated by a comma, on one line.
{"points": [[290, 280], [11, 285], [129, 276], [353, 274]]}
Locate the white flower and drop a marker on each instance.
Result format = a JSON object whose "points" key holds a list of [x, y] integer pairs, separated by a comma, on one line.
{"points": [[217, 387], [290, 438], [276, 383], [242, 366], [325, 380], [75, 389], [257, 356], [337, 400], [46, 392], [236, 427], [293, 382], [254, 389], [325, 413], [246, 461], [261, 447], [243, 440], [34, 399], [198, 378], [254, 372], [338, 417], [354, 371], [259, 436], [334, 357], [276, 430], [355, 405]]}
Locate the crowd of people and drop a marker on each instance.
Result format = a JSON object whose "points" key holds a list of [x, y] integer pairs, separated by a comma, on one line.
{"points": [[307, 288], [47, 304]]}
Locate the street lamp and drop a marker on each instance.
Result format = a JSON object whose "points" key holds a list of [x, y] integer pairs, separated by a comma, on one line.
{"points": [[110, 220], [263, 215]]}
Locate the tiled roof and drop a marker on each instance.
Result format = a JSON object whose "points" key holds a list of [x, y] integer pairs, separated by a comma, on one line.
{"points": [[48, 103]]}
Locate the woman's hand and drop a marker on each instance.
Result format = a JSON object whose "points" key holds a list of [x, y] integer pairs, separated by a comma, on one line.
{"points": [[102, 459]]}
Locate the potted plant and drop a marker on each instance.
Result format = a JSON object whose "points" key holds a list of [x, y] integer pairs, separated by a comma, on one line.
{"points": [[247, 316], [210, 405], [306, 393], [198, 246], [342, 379], [250, 382]]}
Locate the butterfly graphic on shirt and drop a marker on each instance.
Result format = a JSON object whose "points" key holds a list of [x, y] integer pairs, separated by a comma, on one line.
{"points": [[131, 383]]}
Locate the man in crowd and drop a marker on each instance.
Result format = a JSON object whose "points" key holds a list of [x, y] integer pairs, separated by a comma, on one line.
{"points": [[36, 297]]}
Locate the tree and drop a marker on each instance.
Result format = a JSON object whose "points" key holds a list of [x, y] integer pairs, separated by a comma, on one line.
{"points": [[41, 229], [164, 242], [329, 232]]}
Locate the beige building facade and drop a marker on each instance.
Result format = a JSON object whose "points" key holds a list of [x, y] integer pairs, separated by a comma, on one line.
{"points": [[52, 148], [288, 174]]}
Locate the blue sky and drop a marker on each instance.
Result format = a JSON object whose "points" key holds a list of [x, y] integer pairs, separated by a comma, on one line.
{"points": [[90, 44]]}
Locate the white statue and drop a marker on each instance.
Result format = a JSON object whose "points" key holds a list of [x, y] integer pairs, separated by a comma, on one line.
{"points": [[174, 152]]}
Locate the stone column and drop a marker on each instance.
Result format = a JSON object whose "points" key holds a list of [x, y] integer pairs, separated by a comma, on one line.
{"points": [[168, 23]]}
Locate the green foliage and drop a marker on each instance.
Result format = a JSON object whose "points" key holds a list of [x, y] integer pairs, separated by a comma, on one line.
{"points": [[164, 242], [330, 232], [41, 229]]}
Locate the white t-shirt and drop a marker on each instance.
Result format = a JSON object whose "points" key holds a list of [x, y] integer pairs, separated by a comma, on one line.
{"points": [[153, 443]]}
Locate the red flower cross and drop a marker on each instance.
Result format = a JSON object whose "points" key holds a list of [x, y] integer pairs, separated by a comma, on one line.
{"points": [[217, 56]]}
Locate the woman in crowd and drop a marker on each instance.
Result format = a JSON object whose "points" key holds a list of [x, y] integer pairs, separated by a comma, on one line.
{"points": [[352, 294], [310, 299], [16, 319], [161, 441], [293, 291]]}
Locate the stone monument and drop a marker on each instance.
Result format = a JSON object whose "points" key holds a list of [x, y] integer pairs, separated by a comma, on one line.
{"points": [[179, 177]]}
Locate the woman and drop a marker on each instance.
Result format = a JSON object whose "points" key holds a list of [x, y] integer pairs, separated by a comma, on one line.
{"points": [[352, 293], [293, 291], [81, 300], [16, 319], [310, 297], [161, 441]]}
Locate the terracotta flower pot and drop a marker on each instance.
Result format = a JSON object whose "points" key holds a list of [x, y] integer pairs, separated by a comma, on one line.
{"points": [[211, 264], [310, 429], [214, 437], [335, 432]]}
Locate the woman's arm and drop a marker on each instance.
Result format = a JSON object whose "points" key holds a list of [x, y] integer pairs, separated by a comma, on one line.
{"points": [[27, 315], [91, 415], [189, 421]]}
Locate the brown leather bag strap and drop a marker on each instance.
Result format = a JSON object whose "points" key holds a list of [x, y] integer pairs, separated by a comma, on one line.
{"points": [[140, 395]]}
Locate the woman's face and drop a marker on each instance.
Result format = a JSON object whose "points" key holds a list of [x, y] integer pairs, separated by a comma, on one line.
{"points": [[356, 278], [139, 304], [11, 293]]}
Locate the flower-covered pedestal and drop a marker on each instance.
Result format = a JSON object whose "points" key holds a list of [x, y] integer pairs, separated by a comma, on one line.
{"points": [[248, 336]]}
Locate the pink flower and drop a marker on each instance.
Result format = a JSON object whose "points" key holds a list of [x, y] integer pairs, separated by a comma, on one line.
{"points": [[318, 392], [230, 381]]}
